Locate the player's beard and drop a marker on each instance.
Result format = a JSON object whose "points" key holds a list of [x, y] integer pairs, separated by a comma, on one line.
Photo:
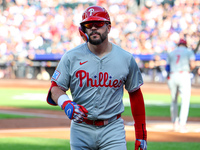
{"points": [[98, 41]]}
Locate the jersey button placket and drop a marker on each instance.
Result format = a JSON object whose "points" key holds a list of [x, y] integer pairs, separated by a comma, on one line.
{"points": [[96, 103], [99, 88], [101, 62]]}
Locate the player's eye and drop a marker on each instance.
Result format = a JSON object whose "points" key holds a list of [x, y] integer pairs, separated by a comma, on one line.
{"points": [[98, 24]]}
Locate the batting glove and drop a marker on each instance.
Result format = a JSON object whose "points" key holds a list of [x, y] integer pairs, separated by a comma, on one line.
{"points": [[74, 111], [142, 144]]}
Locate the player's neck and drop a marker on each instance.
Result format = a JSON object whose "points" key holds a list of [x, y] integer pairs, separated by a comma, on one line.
{"points": [[101, 49]]}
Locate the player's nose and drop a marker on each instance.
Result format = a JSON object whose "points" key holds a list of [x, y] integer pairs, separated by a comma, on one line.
{"points": [[93, 27]]}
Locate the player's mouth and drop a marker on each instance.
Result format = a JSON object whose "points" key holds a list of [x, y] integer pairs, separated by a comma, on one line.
{"points": [[94, 34]]}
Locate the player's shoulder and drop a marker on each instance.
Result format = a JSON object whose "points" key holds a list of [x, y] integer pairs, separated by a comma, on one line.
{"points": [[120, 51], [190, 50], [185, 50], [177, 49]]}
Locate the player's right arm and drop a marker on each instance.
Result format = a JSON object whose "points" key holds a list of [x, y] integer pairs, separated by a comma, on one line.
{"points": [[56, 92], [56, 96]]}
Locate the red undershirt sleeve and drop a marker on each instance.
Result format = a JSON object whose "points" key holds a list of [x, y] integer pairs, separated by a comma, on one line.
{"points": [[138, 112]]}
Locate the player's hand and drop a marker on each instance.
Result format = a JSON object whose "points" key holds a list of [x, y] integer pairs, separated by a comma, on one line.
{"points": [[74, 111], [142, 144]]}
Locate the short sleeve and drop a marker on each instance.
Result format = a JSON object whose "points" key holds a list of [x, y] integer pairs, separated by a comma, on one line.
{"points": [[134, 78], [62, 73]]}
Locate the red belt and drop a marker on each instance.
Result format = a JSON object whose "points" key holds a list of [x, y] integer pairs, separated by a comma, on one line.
{"points": [[101, 122]]}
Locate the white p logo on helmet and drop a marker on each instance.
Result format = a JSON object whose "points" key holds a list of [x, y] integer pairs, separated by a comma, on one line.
{"points": [[91, 11]]}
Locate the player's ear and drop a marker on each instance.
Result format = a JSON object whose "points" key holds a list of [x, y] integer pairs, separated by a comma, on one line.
{"points": [[83, 34]]}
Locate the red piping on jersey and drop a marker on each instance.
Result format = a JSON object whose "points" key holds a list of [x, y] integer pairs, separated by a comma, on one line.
{"points": [[138, 112], [53, 83]]}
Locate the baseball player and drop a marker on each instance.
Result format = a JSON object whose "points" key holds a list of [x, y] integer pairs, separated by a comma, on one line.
{"points": [[179, 63], [95, 72]]}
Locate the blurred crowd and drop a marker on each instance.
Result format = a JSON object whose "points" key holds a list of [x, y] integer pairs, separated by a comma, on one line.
{"points": [[148, 27]]}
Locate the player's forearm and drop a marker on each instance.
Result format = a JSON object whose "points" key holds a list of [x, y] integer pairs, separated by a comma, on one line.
{"points": [[56, 92]]}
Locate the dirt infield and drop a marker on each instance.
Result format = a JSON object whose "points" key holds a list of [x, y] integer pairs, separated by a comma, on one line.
{"points": [[54, 124]]}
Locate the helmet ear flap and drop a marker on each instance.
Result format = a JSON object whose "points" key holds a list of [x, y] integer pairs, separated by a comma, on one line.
{"points": [[83, 34]]}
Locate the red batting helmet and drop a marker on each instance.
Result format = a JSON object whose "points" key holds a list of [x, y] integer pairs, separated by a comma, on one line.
{"points": [[95, 13], [182, 41]]}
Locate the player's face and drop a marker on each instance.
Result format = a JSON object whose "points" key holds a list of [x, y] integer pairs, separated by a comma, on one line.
{"points": [[97, 38], [97, 32]]}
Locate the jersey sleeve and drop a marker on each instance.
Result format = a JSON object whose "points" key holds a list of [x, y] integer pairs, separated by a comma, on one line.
{"points": [[134, 78], [59, 78], [62, 73]]}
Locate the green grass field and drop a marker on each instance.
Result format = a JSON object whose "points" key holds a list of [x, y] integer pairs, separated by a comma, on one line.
{"points": [[28, 143], [156, 105], [9, 116]]}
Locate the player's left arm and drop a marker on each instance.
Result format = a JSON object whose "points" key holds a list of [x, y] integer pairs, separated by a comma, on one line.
{"points": [[138, 112]]}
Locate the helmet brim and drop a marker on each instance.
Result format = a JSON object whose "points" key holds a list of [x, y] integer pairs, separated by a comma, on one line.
{"points": [[94, 19]]}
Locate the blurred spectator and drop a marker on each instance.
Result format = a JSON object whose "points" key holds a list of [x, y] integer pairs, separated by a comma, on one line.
{"points": [[44, 27], [43, 75]]}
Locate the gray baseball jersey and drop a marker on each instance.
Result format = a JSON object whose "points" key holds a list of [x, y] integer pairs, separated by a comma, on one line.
{"points": [[97, 83], [179, 59]]}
